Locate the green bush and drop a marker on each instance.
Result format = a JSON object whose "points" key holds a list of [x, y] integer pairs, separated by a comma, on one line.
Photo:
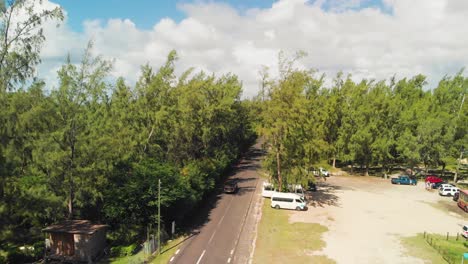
{"points": [[122, 251]]}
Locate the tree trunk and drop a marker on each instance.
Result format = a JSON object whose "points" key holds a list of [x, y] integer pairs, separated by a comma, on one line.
{"points": [[334, 162], [70, 202], [278, 168]]}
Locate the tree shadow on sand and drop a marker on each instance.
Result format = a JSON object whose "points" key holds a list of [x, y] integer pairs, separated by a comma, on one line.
{"points": [[324, 196]]}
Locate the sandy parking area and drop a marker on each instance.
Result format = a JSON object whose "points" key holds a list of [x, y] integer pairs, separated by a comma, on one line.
{"points": [[367, 217]]}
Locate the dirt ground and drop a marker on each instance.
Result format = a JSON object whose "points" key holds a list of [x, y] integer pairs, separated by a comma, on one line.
{"points": [[368, 216]]}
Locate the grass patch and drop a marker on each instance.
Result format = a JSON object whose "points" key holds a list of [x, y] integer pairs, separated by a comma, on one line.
{"points": [[452, 250], [140, 257], [418, 247], [279, 241], [168, 251]]}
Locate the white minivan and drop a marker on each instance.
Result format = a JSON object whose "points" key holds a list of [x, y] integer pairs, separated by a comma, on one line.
{"points": [[288, 201]]}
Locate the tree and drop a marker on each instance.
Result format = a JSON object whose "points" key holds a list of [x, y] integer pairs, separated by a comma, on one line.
{"points": [[70, 153], [285, 119], [21, 38]]}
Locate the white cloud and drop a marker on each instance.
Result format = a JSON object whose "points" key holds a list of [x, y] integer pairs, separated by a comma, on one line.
{"points": [[419, 36]]}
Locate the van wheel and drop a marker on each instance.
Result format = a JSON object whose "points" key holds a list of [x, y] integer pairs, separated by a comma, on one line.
{"points": [[298, 208], [277, 207]]}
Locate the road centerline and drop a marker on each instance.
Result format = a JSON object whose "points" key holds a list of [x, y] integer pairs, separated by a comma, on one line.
{"points": [[201, 256]]}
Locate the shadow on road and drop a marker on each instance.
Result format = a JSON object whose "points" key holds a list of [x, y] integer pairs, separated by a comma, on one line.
{"points": [[193, 233], [201, 215], [325, 195]]}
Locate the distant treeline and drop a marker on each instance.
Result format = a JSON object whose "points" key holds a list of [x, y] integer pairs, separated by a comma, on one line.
{"points": [[365, 123]]}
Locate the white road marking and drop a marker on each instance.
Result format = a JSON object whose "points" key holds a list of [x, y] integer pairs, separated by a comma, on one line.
{"points": [[171, 259], [211, 238], [199, 259], [177, 252], [229, 260], [244, 218]]}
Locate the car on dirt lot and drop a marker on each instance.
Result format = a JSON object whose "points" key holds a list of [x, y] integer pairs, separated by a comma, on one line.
{"points": [[230, 186], [465, 231], [448, 191], [404, 179], [311, 186], [446, 185], [433, 179], [320, 172]]}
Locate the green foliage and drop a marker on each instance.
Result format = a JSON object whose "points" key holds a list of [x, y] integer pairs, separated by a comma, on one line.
{"points": [[366, 123], [96, 150], [121, 251]]}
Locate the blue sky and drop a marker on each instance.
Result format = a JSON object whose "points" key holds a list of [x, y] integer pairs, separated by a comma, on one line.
{"points": [[146, 13]]}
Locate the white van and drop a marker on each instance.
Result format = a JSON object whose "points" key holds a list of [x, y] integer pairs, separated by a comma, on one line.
{"points": [[288, 201], [268, 189]]}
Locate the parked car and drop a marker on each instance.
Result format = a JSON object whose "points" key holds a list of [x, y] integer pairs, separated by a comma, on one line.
{"points": [[445, 185], [312, 187], [321, 172], [230, 186], [433, 179], [404, 179], [449, 191], [297, 189], [465, 231], [288, 201]]}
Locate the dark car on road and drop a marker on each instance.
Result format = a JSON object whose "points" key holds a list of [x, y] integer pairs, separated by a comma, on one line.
{"points": [[230, 186]]}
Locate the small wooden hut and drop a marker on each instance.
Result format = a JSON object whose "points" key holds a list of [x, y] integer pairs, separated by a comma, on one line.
{"points": [[75, 241]]}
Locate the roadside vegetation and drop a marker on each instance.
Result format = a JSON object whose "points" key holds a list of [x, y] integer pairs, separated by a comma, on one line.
{"points": [[279, 241], [436, 248]]}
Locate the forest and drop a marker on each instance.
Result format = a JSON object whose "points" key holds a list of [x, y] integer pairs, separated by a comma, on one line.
{"points": [[94, 147], [368, 123]]}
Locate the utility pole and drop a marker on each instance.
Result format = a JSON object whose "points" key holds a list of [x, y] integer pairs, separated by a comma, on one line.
{"points": [[159, 216]]}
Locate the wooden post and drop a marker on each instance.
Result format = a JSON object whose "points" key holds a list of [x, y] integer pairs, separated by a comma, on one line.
{"points": [[457, 236], [447, 235]]}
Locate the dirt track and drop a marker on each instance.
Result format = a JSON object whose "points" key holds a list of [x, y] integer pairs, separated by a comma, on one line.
{"points": [[367, 217]]}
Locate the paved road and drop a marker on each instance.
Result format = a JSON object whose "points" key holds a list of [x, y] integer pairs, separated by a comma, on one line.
{"points": [[218, 238]]}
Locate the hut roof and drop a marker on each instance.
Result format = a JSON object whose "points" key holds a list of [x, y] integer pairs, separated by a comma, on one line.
{"points": [[74, 227]]}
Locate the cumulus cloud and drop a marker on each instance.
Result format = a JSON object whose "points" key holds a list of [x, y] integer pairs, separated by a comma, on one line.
{"points": [[399, 37]]}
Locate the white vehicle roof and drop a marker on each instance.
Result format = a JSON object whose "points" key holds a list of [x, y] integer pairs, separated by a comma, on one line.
{"points": [[296, 186], [286, 195]]}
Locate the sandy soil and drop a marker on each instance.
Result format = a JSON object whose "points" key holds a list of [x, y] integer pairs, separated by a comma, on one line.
{"points": [[367, 217]]}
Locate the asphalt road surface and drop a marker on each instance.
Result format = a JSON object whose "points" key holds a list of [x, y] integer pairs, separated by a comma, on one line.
{"points": [[217, 239]]}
